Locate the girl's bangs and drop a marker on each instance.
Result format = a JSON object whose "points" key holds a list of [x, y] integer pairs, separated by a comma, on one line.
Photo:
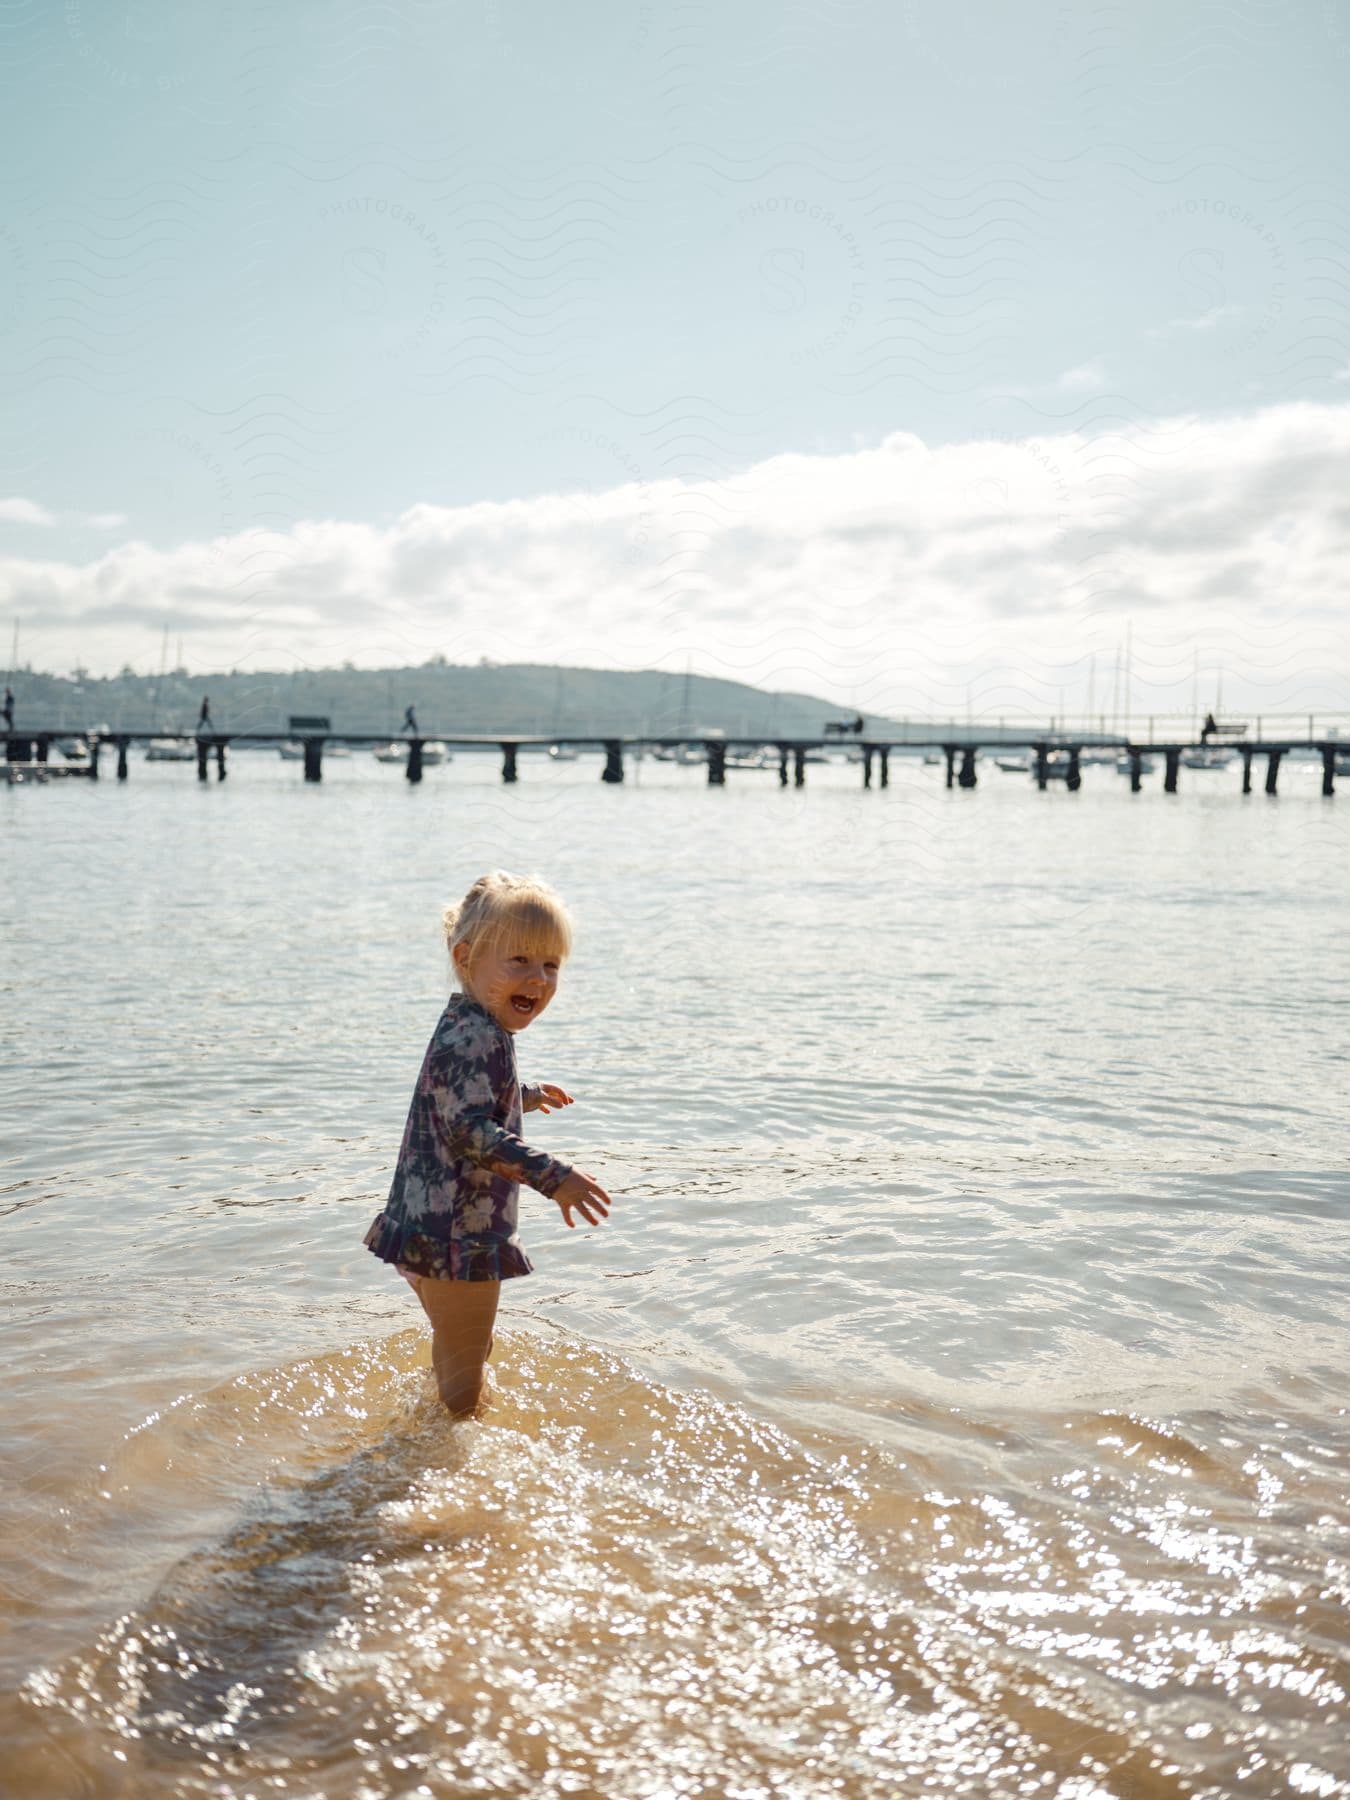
{"points": [[532, 926]]}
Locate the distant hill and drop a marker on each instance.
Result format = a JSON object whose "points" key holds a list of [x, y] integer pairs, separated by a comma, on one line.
{"points": [[449, 698]]}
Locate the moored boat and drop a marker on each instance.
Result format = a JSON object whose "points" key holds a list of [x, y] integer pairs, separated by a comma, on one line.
{"points": [[433, 752], [1207, 756], [293, 750]]}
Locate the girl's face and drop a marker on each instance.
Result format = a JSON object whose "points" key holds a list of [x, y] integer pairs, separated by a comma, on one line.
{"points": [[510, 982]]}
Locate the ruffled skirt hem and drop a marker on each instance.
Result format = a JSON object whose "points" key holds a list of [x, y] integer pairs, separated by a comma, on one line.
{"points": [[480, 1257]]}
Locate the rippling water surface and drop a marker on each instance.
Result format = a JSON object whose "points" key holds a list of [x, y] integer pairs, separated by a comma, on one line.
{"points": [[954, 1403]]}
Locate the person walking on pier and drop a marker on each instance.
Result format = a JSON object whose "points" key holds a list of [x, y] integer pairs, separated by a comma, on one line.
{"points": [[410, 721], [449, 1224], [1208, 729], [204, 717]]}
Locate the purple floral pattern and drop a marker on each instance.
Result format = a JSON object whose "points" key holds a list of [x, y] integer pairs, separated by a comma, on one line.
{"points": [[451, 1211]]}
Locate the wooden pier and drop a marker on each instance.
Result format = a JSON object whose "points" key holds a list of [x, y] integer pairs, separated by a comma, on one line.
{"points": [[28, 754]]}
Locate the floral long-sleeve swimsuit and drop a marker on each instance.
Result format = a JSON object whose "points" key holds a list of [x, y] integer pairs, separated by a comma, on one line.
{"points": [[451, 1211]]}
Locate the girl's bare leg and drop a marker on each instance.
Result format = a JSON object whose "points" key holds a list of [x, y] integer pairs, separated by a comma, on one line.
{"points": [[462, 1314], [417, 1288]]}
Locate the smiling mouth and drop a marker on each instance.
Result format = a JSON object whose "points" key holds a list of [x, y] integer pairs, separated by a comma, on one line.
{"points": [[522, 1004]]}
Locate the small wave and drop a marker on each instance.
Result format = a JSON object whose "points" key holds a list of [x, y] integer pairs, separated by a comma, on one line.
{"points": [[613, 1587]]}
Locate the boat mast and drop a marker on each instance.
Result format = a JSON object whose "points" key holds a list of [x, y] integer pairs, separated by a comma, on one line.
{"points": [[682, 726], [1129, 656], [557, 701], [159, 680]]}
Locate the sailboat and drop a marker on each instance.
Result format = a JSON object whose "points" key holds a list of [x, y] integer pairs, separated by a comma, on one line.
{"points": [[1208, 756], [560, 751], [396, 751], [166, 749], [687, 753]]}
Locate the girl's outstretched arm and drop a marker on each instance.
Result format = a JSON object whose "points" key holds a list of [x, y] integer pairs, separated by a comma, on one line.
{"points": [[467, 1069], [543, 1096]]}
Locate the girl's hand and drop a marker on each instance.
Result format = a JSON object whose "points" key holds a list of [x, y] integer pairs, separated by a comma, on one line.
{"points": [[552, 1096], [584, 1194]]}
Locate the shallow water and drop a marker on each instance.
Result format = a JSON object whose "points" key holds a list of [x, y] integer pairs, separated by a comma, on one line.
{"points": [[954, 1402]]}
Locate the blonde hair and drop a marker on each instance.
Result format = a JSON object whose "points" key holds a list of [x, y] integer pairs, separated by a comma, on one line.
{"points": [[517, 909]]}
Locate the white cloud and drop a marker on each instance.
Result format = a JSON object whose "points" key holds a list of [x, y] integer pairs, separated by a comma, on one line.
{"points": [[899, 577], [1205, 321], [16, 511], [1085, 378]]}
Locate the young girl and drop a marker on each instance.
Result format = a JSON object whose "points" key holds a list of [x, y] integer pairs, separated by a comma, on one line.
{"points": [[449, 1224]]}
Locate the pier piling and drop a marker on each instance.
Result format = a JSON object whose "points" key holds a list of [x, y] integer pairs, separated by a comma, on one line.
{"points": [[1328, 770], [1136, 770], [867, 765], [1042, 767], [220, 759], [717, 765], [94, 747], [949, 751], [799, 768], [1247, 754], [782, 765], [415, 759], [1170, 776], [509, 771], [1272, 769], [122, 743], [967, 777], [314, 759], [885, 756], [1074, 779], [613, 769], [203, 754]]}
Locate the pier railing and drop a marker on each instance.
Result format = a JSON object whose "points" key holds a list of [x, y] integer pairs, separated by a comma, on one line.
{"points": [[1057, 756]]}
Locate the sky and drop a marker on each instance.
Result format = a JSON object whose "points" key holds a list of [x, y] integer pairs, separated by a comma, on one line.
{"points": [[938, 359]]}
